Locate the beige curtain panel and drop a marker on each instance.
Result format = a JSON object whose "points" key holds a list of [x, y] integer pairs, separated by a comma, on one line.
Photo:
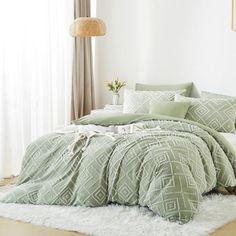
{"points": [[82, 101]]}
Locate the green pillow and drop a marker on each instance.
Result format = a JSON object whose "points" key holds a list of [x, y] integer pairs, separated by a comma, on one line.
{"points": [[174, 109], [218, 114], [210, 95], [205, 94], [148, 87]]}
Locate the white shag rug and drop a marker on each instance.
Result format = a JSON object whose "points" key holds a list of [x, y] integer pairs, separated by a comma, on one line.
{"points": [[214, 211]]}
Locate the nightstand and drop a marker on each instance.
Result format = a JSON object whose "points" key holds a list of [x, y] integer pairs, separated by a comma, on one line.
{"points": [[108, 109]]}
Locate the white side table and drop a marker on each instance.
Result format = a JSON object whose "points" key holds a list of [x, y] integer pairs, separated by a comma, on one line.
{"points": [[108, 109]]}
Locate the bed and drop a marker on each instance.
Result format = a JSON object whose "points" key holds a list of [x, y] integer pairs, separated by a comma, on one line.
{"points": [[160, 162]]}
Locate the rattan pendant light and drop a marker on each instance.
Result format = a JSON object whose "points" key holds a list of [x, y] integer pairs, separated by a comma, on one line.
{"points": [[88, 27]]}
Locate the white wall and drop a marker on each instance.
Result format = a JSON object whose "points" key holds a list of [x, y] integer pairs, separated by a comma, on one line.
{"points": [[166, 41]]}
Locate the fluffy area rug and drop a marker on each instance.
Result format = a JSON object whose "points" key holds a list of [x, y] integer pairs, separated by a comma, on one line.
{"points": [[214, 211]]}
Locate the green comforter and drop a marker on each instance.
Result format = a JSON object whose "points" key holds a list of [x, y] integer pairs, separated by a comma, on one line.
{"points": [[166, 166]]}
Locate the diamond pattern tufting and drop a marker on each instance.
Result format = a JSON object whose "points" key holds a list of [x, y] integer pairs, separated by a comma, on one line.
{"points": [[166, 170]]}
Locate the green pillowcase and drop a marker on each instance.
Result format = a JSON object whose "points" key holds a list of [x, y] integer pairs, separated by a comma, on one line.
{"points": [[174, 109], [218, 114], [205, 94], [148, 87], [210, 95]]}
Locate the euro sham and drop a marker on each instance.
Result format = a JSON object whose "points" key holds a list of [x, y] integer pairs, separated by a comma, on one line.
{"points": [[210, 95], [218, 114], [166, 87], [205, 94], [139, 101]]}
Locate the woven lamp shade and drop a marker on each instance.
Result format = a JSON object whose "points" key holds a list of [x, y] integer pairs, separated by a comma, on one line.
{"points": [[87, 27]]}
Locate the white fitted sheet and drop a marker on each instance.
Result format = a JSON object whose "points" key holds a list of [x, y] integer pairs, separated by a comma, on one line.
{"points": [[231, 138]]}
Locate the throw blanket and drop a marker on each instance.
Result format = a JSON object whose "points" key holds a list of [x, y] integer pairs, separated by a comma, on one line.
{"points": [[166, 165]]}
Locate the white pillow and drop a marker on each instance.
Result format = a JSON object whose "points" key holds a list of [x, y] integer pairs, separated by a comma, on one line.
{"points": [[139, 101]]}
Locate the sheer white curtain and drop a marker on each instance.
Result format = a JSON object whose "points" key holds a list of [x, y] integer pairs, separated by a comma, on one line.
{"points": [[35, 74]]}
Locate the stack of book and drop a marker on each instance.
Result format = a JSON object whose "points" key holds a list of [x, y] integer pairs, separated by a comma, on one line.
{"points": [[115, 108]]}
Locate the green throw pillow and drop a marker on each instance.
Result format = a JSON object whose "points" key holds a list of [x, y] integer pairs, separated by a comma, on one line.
{"points": [[166, 87], [174, 109], [210, 95], [218, 114]]}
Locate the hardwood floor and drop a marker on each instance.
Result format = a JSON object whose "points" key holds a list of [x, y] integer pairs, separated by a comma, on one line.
{"points": [[13, 228], [226, 230]]}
